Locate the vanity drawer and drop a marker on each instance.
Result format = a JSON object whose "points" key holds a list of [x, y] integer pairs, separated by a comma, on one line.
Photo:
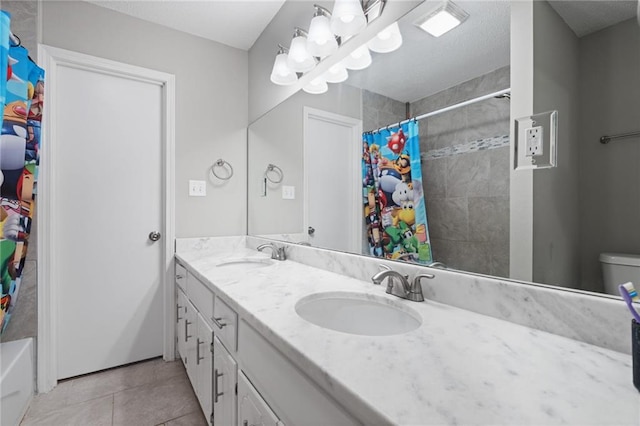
{"points": [[225, 324], [181, 276], [200, 296]]}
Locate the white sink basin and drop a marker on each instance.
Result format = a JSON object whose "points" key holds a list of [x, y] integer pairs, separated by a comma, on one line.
{"points": [[358, 313], [244, 264]]}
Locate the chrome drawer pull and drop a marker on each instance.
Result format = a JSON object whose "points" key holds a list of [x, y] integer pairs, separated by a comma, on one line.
{"points": [[218, 323], [216, 394], [198, 357], [178, 317], [187, 323]]}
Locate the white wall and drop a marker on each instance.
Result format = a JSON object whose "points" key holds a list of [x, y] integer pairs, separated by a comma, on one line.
{"points": [[609, 174], [277, 138], [555, 190], [211, 102], [521, 181]]}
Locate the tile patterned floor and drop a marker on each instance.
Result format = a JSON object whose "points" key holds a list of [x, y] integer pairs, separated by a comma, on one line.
{"points": [[149, 393]]}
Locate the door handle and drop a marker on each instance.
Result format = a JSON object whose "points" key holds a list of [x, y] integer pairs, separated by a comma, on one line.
{"points": [[154, 236], [218, 322], [311, 230]]}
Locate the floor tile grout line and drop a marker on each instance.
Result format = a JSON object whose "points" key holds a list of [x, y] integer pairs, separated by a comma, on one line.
{"points": [[113, 403], [60, 408]]}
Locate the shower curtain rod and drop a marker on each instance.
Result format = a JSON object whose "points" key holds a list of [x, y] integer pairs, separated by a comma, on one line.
{"points": [[445, 109]]}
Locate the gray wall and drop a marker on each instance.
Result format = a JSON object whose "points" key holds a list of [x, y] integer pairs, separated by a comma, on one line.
{"points": [[276, 138], [609, 174], [555, 190], [24, 320], [466, 182], [211, 102]]}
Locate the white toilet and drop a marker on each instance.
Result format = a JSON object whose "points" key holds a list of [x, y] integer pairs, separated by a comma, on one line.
{"points": [[619, 268]]}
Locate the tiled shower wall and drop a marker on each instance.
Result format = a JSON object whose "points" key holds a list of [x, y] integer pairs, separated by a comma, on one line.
{"points": [[465, 170]]}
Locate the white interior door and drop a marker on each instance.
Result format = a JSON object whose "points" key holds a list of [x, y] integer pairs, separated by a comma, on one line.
{"points": [[107, 183], [333, 187]]}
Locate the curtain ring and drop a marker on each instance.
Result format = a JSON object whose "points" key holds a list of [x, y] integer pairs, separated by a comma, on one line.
{"points": [[277, 171], [221, 164]]}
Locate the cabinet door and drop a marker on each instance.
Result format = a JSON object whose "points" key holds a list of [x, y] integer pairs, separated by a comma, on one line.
{"points": [[190, 330], [224, 385], [203, 360], [181, 307], [252, 409]]}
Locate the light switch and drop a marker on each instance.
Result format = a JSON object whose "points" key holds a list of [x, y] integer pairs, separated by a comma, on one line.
{"points": [[288, 192], [197, 188]]}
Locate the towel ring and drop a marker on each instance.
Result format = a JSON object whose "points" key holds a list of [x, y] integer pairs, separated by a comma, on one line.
{"points": [[221, 164], [273, 169]]}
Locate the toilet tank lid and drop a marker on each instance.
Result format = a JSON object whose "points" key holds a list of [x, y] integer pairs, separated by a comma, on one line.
{"points": [[620, 259]]}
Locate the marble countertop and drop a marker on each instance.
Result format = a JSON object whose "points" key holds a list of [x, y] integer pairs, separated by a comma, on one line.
{"points": [[458, 367]]}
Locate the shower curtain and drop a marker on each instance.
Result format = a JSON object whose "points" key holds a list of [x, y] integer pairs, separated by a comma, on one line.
{"points": [[21, 96], [394, 207]]}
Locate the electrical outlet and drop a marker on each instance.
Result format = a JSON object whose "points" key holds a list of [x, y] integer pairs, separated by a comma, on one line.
{"points": [[288, 192], [197, 188], [534, 142]]}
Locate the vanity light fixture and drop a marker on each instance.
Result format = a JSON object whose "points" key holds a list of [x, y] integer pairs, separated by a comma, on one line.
{"points": [[316, 86], [386, 40], [359, 59], [281, 73], [336, 74], [321, 42], [299, 59], [348, 18], [445, 18]]}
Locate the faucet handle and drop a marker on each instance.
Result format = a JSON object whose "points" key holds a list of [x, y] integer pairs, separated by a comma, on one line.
{"points": [[384, 267], [416, 289], [282, 255]]}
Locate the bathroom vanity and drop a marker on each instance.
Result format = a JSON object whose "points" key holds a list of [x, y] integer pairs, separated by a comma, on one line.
{"points": [[269, 365]]}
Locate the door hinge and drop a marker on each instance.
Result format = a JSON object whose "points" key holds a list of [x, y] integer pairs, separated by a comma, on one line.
{"points": [[236, 388], [211, 418], [211, 347]]}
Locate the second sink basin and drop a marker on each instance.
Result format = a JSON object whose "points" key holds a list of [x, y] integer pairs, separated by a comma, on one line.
{"points": [[244, 264], [358, 313]]}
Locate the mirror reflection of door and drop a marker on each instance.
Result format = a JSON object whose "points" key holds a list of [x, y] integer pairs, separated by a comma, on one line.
{"points": [[332, 180]]}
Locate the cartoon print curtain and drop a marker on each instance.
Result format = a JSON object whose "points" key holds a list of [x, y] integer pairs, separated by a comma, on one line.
{"points": [[21, 96], [394, 207]]}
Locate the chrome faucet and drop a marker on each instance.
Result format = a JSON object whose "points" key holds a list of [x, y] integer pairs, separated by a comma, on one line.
{"points": [[277, 253], [398, 284]]}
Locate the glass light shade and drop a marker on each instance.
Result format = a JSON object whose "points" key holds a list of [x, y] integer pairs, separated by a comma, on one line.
{"points": [[300, 60], [321, 42], [443, 19], [316, 86], [386, 40], [336, 74], [359, 59], [281, 73], [347, 18]]}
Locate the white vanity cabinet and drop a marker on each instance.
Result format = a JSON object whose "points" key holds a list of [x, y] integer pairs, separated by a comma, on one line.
{"points": [[225, 375], [239, 377], [203, 384]]}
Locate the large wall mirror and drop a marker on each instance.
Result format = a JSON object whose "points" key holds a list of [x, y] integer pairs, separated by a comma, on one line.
{"points": [[305, 181]]}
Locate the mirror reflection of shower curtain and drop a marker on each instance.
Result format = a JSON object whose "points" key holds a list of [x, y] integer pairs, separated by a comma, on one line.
{"points": [[393, 197]]}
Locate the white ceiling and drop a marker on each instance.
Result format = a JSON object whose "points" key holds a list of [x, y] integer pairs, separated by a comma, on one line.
{"points": [[236, 23]]}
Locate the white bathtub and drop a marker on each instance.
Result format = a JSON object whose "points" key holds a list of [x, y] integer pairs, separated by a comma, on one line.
{"points": [[16, 380]]}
